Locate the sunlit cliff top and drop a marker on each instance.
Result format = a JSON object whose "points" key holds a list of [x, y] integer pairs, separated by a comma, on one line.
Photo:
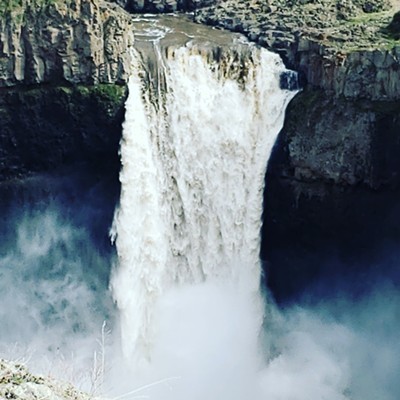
{"points": [[344, 25]]}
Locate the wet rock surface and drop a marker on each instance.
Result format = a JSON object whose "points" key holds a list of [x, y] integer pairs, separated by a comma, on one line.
{"points": [[341, 142]]}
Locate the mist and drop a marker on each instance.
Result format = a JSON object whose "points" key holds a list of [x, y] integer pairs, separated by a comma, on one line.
{"points": [[210, 345], [212, 340], [337, 348], [54, 275]]}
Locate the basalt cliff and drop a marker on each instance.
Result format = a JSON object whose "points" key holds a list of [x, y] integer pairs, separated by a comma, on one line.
{"points": [[63, 69], [334, 176]]}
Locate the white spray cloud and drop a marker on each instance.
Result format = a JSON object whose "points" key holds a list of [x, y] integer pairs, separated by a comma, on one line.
{"points": [[209, 335], [53, 303]]}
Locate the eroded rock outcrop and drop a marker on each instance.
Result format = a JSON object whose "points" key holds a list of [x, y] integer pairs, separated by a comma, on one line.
{"points": [[16, 382], [341, 142], [79, 41]]}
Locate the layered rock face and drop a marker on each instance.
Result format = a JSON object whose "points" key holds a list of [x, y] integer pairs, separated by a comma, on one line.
{"points": [[63, 69], [75, 41], [339, 47]]}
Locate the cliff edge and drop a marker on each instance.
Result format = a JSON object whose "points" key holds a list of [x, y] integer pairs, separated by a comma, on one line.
{"points": [[63, 71], [75, 41], [345, 48]]}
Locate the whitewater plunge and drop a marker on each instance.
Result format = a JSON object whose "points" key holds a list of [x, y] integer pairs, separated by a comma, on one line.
{"points": [[190, 307], [202, 117]]}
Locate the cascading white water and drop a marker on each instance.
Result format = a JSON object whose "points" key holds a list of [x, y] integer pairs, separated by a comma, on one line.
{"points": [[201, 121], [200, 124]]}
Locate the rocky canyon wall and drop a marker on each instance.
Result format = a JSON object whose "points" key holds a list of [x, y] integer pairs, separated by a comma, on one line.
{"points": [[339, 128], [63, 69], [332, 198], [350, 70], [76, 41]]}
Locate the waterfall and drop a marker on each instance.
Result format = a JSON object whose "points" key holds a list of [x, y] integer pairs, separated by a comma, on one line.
{"points": [[201, 119]]}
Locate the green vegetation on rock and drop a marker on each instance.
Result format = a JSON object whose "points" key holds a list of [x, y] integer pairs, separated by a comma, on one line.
{"points": [[110, 98], [110, 93]]}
